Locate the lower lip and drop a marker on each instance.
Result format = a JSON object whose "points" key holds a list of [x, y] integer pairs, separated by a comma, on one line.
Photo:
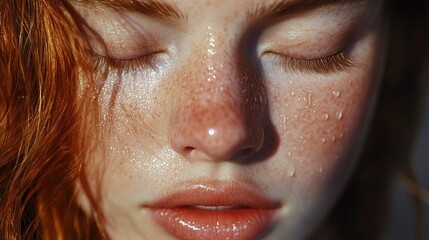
{"points": [[194, 223]]}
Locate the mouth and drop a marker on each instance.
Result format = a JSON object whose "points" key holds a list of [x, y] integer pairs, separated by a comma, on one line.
{"points": [[215, 211]]}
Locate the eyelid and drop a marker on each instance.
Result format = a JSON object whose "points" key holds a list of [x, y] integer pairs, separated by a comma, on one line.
{"points": [[337, 62], [104, 63], [122, 48]]}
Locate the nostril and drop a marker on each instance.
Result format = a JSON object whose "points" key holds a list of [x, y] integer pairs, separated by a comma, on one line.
{"points": [[248, 151], [188, 150], [251, 149], [243, 154]]}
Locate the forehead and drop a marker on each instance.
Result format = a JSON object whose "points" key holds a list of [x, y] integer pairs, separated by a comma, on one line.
{"points": [[182, 9]]}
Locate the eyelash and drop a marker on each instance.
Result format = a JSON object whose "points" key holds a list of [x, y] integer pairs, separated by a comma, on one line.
{"points": [[103, 63], [337, 62]]}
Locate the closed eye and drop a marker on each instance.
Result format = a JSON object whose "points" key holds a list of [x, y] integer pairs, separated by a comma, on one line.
{"points": [[103, 63], [337, 62]]}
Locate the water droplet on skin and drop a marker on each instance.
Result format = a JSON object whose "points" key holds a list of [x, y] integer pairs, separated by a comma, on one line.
{"points": [[292, 172], [325, 116], [341, 135], [309, 99], [211, 51], [289, 154], [321, 170], [339, 115], [336, 93], [323, 140], [333, 139], [292, 93]]}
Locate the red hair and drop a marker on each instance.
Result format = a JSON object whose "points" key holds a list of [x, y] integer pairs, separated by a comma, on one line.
{"points": [[40, 49]]}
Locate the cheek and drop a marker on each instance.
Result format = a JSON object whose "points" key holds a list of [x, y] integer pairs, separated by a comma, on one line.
{"points": [[322, 120], [316, 117], [130, 109], [321, 125]]}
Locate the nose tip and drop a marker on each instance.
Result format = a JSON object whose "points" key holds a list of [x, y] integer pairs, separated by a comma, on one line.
{"points": [[229, 138], [222, 141]]}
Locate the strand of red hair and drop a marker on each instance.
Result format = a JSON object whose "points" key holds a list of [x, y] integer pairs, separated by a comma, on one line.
{"points": [[40, 49]]}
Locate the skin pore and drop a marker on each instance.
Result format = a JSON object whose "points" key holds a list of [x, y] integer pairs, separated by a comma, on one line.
{"points": [[269, 96]]}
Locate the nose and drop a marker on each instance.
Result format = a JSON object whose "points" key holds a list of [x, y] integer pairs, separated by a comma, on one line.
{"points": [[218, 112]]}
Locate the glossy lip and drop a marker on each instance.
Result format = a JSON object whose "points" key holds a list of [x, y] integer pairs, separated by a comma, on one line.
{"points": [[214, 210]]}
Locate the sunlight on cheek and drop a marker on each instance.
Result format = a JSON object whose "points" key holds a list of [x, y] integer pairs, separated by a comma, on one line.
{"points": [[321, 121]]}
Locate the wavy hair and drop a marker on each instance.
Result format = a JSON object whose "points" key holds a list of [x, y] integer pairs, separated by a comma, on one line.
{"points": [[40, 48]]}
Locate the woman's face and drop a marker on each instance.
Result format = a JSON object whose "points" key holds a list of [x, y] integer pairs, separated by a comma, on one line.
{"points": [[228, 119]]}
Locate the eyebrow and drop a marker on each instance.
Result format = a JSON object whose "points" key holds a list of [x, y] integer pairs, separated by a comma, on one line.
{"points": [[285, 7], [152, 8], [168, 11]]}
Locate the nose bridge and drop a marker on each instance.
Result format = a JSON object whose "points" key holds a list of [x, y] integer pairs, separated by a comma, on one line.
{"points": [[212, 119], [220, 73], [213, 88], [217, 89]]}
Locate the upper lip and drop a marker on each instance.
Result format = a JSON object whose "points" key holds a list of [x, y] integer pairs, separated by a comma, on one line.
{"points": [[215, 194]]}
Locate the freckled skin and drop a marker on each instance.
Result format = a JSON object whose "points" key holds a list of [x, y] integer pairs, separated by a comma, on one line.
{"points": [[210, 106], [213, 110]]}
